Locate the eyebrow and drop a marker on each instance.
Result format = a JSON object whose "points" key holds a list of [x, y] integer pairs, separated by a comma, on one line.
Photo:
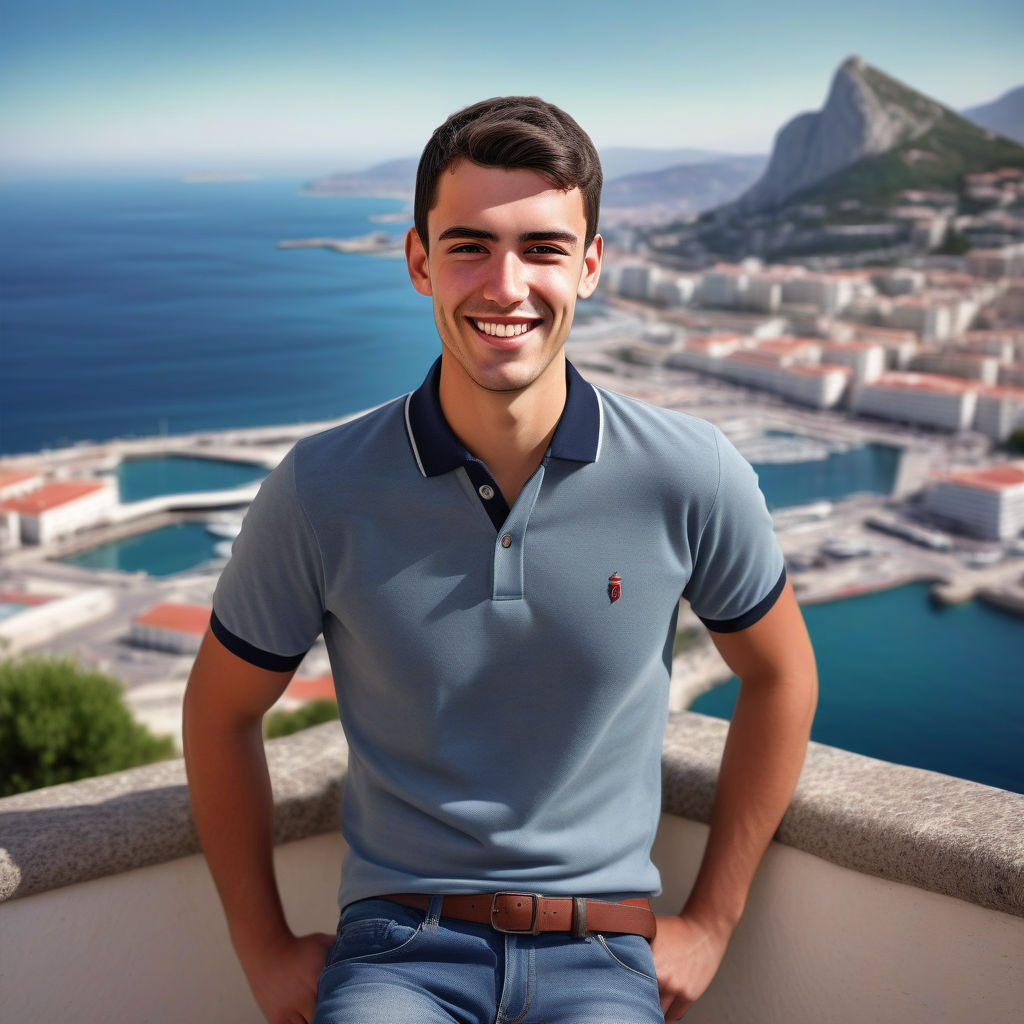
{"points": [[459, 231]]}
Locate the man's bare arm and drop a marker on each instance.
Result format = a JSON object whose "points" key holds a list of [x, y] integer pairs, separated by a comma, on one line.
{"points": [[233, 808], [764, 752]]}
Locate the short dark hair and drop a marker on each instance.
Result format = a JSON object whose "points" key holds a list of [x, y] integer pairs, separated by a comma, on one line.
{"points": [[512, 132]]}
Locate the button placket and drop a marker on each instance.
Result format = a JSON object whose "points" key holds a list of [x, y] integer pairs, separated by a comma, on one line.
{"points": [[509, 549]]}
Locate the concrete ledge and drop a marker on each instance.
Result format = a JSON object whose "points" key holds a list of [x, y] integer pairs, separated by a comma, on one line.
{"points": [[920, 828], [68, 834], [934, 831]]}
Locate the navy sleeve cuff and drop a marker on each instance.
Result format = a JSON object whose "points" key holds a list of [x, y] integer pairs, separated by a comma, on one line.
{"points": [[254, 655], [748, 618]]}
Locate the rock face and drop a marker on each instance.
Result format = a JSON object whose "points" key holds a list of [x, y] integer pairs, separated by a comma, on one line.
{"points": [[866, 113]]}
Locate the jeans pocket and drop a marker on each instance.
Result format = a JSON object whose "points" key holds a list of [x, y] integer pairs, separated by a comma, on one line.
{"points": [[631, 952], [373, 928]]}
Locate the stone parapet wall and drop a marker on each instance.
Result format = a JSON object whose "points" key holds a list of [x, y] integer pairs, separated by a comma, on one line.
{"points": [[933, 831]]}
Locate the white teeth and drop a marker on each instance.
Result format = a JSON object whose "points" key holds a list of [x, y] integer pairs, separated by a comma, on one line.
{"points": [[501, 330]]}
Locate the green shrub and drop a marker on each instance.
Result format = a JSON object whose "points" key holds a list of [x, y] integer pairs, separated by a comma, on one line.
{"points": [[284, 723], [59, 723]]}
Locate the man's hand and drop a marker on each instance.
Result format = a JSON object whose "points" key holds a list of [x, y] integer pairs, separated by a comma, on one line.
{"points": [[686, 956], [283, 976]]}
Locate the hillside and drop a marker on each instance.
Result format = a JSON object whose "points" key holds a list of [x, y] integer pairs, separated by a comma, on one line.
{"points": [[936, 159], [874, 137], [690, 187]]}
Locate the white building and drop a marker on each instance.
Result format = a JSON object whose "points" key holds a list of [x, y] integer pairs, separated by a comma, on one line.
{"points": [[900, 345], [705, 353], [899, 281], [16, 482], [810, 384], [866, 359], [985, 503], [923, 315], [791, 351], [61, 508], [723, 286], [636, 280], [1007, 261], [675, 289], [1000, 412], [925, 399], [1012, 375], [177, 628], [970, 366], [821, 386], [1001, 344], [829, 293], [764, 293]]}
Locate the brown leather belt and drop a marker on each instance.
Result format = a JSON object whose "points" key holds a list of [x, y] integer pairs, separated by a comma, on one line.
{"points": [[526, 913]]}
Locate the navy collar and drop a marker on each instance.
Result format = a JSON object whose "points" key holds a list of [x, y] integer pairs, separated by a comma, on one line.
{"points": [[437, 450]]}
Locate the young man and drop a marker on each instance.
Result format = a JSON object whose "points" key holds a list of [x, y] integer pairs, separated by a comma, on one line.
{"points": [[495, 562]]}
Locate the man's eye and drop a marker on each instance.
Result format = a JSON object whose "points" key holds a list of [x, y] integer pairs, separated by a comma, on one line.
{"points": [[468, 247], [545, 250]]}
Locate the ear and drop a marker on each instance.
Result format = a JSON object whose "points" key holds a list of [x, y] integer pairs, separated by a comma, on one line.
{"points": [[591, 268], [416, 261]]}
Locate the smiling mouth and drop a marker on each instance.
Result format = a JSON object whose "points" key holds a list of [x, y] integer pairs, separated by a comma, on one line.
{"points": [[504, 329]]}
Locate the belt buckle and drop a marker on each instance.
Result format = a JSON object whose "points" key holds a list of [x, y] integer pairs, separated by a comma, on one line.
{"points": [[532, 929]]}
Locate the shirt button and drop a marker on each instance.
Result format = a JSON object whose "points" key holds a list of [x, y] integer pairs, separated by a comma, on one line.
{"points": [[506, 540], [486, 491]]}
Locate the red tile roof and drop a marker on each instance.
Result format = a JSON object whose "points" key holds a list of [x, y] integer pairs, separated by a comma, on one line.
{"points": [[1003, 391], [181, 618], [52, 496], [19, 597], [9, 477], [933, 382], [993, 478]]}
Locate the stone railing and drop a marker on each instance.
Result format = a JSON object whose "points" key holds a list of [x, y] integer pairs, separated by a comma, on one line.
{"points": [[890, 893]]}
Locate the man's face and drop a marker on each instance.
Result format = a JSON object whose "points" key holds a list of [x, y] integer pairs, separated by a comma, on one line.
{"points": [[506, 265]]}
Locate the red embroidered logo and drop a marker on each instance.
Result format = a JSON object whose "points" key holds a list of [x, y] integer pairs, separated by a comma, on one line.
{"points": [[614, 587]]}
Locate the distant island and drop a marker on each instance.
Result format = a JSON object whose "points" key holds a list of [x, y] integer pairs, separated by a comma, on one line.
{"points": [[378, 243], [218, 177]]}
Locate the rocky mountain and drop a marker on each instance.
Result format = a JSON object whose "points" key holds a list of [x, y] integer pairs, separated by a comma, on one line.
{"points": [[392, 179], [685, 187], [1004, 116], [873, 138], [618, 161], [866, 113]]}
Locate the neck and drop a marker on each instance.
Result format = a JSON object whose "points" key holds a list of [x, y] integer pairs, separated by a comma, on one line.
{"points": [[509, 431]]}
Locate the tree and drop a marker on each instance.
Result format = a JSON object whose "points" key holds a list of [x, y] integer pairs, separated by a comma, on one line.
{"points": [[955, 243], [59, 723], [284, 723]]}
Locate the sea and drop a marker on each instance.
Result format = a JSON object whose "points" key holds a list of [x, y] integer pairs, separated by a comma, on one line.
{"points": [[136, 308], [143, 307]]}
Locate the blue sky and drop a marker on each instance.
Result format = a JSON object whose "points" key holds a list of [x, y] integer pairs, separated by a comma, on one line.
{"points": [[314, 86]]}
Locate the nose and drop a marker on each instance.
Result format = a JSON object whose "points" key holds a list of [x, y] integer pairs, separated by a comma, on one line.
{"points": [[506, 283]]}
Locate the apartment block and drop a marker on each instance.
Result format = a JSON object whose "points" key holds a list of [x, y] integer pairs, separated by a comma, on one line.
{"points": [[1000, 412], [866, 359], [970, 366], [987, 503], [929, 400]]}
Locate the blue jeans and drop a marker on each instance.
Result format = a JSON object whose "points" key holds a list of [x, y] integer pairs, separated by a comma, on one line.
{"points": [[391, 964]]}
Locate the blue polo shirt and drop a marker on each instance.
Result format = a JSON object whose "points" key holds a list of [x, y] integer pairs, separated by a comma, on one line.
{"points": [[502, 673]]}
